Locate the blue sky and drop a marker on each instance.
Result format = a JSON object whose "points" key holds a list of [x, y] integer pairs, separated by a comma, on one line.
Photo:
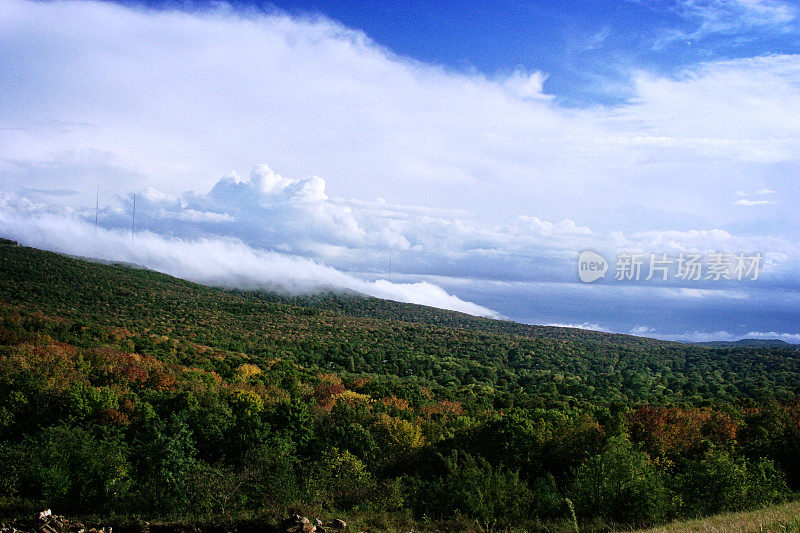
{"points": [[588, 48], [476, 147]]}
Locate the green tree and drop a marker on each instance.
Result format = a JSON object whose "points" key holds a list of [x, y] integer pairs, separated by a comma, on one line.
{"points": [[718, 482], [621, 484], [340, 480], [72, 468], [166, 457], [473, 487]]}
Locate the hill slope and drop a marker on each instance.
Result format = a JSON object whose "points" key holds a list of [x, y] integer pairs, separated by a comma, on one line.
{"points": [[360, 334], [128, 392]]}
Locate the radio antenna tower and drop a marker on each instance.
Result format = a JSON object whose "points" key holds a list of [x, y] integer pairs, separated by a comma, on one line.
{"points": [[133, 218], [96, 210]]}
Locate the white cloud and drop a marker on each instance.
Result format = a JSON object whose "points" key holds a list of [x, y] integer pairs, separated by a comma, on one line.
{"points": [[547, 229], [528, 86], [726, 15], [746, 202], [710, 336], [117, 108], [670, 240], [749, 203], [585, 325], [730, 18], [270, 211], [793, 338], [747, 109]]}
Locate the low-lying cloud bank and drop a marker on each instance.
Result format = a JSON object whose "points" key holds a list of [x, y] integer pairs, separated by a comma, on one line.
{"points": [[223, 262], [705, 336], [692, 336]]}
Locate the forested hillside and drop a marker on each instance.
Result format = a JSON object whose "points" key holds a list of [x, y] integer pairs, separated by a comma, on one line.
{"points": [[128, 392]]}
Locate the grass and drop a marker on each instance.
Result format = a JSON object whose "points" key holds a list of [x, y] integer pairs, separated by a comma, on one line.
{"points": [[777, 518]]}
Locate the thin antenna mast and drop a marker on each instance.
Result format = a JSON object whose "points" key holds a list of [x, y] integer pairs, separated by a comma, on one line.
{"points": [[133, 218], [96, 209]]}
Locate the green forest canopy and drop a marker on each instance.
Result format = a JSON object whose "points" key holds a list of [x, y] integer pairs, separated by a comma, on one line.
{"points": [[125, 391]]}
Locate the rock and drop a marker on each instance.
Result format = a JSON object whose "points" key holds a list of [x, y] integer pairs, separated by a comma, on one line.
{"points": [[297, 524]]}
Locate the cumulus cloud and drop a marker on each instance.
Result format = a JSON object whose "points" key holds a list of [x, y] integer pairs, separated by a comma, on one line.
{"points": [[267, 210], [294, 215]]}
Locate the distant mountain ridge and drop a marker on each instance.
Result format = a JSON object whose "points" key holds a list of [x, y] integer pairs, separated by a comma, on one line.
{"points": [[746, 342]]}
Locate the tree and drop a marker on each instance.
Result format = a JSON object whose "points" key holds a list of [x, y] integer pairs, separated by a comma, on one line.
{"points": [[166, 458], [473, 487], [720, 482], [341, 481], [621, 484], [72, 468]]}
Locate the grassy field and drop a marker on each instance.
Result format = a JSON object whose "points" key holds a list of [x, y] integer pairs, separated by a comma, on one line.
{"points": [[785, 517]]}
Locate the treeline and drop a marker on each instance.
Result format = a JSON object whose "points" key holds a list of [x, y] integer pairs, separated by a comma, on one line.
{"points": [[124, 392]]}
